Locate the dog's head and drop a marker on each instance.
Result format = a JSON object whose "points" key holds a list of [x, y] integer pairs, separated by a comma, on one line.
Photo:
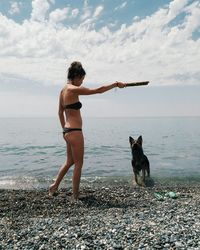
{"points": [[136, 145]]}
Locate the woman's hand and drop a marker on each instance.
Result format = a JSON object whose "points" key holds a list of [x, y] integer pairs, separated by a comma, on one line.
{"points": [[120, 85]]}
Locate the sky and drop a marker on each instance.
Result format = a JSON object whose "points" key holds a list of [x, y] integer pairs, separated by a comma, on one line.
{"points": [[115, 40]]}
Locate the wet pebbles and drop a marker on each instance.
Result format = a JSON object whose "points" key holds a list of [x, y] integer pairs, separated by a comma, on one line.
{"points": [[107, 217]]}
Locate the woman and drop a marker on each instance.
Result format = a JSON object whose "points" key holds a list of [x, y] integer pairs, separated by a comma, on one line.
{"points": [[69, 107]]}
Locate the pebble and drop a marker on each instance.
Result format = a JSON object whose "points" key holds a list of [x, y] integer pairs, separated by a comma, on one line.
{"points": [[116, 246], [178, 244], [167, 246], [112, 217]]}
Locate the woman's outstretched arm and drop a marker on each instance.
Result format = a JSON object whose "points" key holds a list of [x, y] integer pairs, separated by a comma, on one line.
{"points": [[91, 91]]}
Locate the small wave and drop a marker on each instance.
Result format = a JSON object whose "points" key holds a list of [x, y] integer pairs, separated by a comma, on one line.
{"points": [[7, 149], [26, 182], [39, 147], [27, 148]]}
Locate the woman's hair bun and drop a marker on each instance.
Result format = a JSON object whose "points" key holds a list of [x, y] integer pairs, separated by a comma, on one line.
{"points": [[76, 64], [75, 70]]}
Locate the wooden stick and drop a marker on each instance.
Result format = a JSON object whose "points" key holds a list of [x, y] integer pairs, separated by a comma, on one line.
{"points": [[132, 84]]}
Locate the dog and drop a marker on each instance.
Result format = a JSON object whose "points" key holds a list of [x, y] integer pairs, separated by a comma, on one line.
{"points": [[139, 161]]}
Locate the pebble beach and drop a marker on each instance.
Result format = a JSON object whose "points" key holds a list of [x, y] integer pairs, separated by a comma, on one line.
{"points": [[107, 216]]}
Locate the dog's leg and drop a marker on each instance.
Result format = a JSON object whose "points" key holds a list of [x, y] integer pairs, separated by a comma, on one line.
{"points": [[148, 170], [143, 178], [135, 181]]}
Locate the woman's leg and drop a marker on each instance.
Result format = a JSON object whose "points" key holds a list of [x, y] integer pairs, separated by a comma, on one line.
{"points": [[76, 141], [63, 170]]}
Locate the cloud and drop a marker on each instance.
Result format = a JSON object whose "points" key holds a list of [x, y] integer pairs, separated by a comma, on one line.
{"points": [[121, 6], [86, 13], [39, 10], [175, 7], [152, 48], [89, 15], [14, 8], [74, 13], [45, 71], [98, 11], [90, 18], [58, 15]]}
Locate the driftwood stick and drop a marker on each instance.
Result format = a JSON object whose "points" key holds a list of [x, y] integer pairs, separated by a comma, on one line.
{"points": [[132, 84]]}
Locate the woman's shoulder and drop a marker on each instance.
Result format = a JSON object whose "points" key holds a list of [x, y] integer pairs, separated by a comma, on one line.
{"points": [[67, 91], [64, 89], [71, 89]]}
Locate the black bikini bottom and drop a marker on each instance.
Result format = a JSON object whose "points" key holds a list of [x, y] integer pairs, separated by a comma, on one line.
{"points": [[67, 130]]}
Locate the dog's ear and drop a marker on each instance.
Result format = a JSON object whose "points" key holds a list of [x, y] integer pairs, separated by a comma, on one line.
{"points": [[131, 140], [139, 140]]}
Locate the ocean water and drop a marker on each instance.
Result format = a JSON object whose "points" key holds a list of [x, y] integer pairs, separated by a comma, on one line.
{"points": [[33, 149]]}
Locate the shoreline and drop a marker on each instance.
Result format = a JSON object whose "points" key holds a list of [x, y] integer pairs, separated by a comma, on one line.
{"points": [[40, 183], [115, 216]]}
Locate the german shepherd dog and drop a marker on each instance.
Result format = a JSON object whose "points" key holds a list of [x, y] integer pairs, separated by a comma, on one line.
{"points": [[139, 160]]}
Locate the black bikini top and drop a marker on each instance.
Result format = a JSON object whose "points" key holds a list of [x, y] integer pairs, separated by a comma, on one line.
{"points": [[76, 106]]}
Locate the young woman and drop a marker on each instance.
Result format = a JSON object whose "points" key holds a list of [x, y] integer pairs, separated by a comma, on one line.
{"points": [[71, 122]]}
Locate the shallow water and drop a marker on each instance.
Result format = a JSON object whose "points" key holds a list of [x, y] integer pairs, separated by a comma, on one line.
{"points": [[32, 149]]}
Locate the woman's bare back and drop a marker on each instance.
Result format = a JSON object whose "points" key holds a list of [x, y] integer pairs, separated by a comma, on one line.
{"points": [[73, 116]]}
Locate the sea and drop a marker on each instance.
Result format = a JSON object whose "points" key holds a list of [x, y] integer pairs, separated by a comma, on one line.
{"points": [[33, 149]]}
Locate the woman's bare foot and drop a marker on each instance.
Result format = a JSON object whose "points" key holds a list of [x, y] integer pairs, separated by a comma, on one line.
{"points": [[75, 201], [52, 190]]}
